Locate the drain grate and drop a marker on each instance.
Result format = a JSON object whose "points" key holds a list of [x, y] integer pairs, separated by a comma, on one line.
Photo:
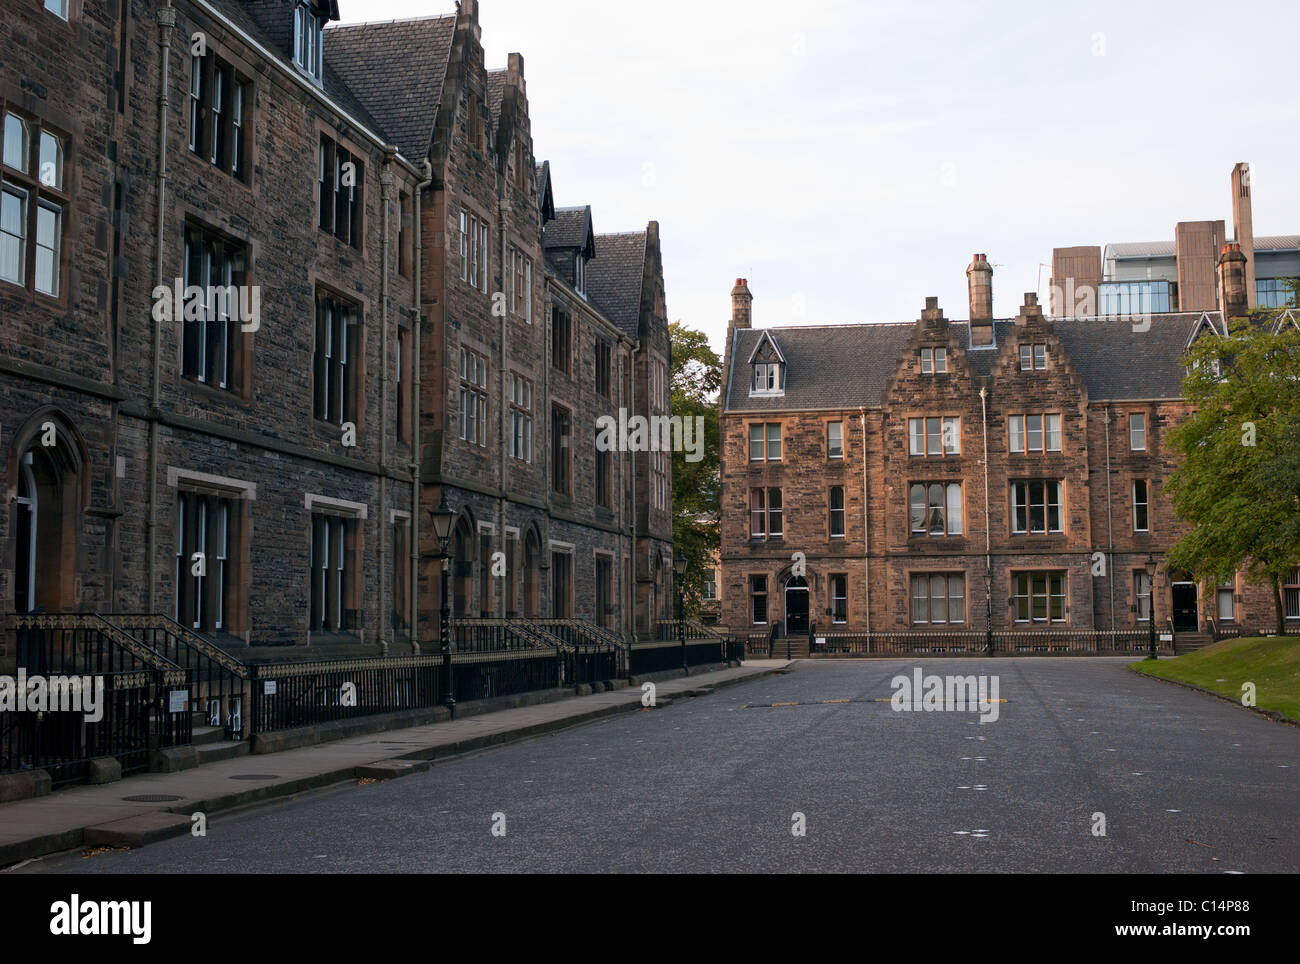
{"points": [[256, 776], [153, 798]]}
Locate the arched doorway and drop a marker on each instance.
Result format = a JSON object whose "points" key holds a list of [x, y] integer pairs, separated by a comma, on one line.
{"points": [[532, 575], [45, 545], [463, 551], [796, 606]]}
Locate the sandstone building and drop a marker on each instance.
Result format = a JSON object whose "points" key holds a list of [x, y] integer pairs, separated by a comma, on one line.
{"points": [[408, 327]]}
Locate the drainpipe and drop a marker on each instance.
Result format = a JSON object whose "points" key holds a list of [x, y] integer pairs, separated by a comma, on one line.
{"points": [[417, 322], [386, 198], [866, 523], [1110, 532], [988, 535], [503, 215], [166, 20]]}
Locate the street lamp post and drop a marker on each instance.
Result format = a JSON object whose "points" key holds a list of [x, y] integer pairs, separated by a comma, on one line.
{"points": [[988, 612], [1151, 605], [679, 567], [442, 517]]}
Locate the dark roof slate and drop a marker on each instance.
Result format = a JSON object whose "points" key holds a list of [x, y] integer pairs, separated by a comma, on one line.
{"points": [[849, 366], [571, 228], [614, 278], [397, 69]]}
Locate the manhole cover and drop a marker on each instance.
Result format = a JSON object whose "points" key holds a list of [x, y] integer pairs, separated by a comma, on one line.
{"points": [[255, 776], [153, 798]]}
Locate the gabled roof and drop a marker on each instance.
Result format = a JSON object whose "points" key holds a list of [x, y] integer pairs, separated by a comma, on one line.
{"points": [[571, 229], [545, 198], [837, 367], [767, 339], [1284, 318], [614, 279], [1211, 321], [397, 69]]}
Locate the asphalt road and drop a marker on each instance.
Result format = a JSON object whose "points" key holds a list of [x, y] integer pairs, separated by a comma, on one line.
{"points": [[1187, 783]]}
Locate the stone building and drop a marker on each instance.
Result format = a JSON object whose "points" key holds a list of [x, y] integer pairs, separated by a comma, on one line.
{"points": [[261, 466], [974, 474]]}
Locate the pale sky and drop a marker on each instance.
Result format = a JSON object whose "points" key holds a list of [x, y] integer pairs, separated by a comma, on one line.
{"points": [[848, 158]]}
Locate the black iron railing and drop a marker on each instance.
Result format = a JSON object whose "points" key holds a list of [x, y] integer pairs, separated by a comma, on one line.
{"points": [[592, 653], [1008, 643]]}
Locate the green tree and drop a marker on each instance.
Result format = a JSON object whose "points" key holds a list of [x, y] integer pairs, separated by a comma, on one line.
{"points": [[1238, 482], [696, 378]]}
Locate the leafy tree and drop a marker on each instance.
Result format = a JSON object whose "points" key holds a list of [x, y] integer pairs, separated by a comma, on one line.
{"points": [[696, 378], [1238, 482]]}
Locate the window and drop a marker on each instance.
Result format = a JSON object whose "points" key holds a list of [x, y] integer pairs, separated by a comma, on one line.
{"points": [[1142, 594], [31, 207], [1133, 297], [938, 597], [473, 397], [765, 520], [1039, 597], [57, 7], [765, 442], [1140, 520], [835, 440], [758, 599], [340, 176], [658, 385], [561, 585], [210, 332], [218, 114], [1033, 357], [464, 245], [337, 381], [839, 598], [935, 508], [561, 475], [604, 368], [1034, 433], [934, 436], [403, 379], [1224, 603], [1275, 292], [710, 590], [604, 476], [1036, 507], [1291, 594], [521, 418], [561, 339], [333, 596], [308, 41], [1137, 432], [580, 274], [836, 502], [767, 378], [484, 255], [604, 593], [206, 586], [658, 479], [934, 361], [528, 291]]}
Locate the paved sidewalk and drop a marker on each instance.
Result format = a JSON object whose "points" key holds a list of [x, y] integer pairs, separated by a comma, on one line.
{"points": [[83, 815]]}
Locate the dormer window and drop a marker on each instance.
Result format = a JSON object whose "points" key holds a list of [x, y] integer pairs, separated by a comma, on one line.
{"points": [[308, 41], [767, 378], [768, 365], [580, 274]]}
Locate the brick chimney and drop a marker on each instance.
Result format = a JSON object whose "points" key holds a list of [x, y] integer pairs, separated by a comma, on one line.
{"points": [[979, 279], [1232, 281], [1243, 228], [741, 305]]}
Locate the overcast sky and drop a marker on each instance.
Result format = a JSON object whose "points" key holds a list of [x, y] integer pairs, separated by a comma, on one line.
{"points": [[848, 158]]}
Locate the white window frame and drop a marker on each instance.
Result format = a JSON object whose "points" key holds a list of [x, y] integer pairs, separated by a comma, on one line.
{"points": [[1137, 433]]}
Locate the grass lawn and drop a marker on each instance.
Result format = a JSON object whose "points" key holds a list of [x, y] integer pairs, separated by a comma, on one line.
{"points": [[1272, 664]]}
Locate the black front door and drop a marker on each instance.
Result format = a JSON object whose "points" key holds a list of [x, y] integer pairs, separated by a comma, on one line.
{"points": [[796, 608], [1184, 607]]}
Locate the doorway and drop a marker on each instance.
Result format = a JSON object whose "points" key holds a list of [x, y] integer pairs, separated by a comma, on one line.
{"points": [[45, 542], [796, 606], [1184, 606]]}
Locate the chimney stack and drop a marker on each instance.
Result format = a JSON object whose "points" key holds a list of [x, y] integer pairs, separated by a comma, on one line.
{"points": [[979, 279], [741, 302], [1232, 281], [1243, 228]]}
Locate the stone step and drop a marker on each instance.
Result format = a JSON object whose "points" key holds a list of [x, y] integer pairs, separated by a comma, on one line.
{"points": [[204, 734], [225, 750]]}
